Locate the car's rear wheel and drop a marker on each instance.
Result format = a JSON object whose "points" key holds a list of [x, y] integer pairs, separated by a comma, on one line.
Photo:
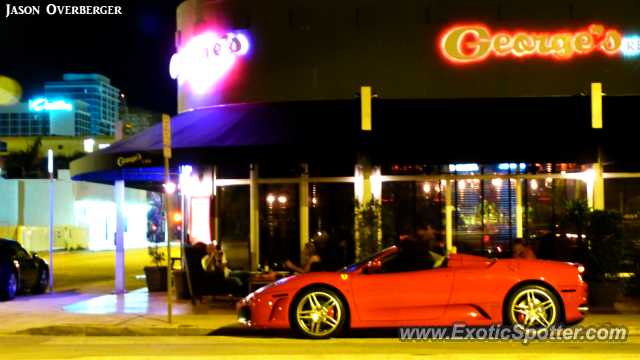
{"points": [[10, 287], [318, 313], [533, 307], [41, 284]]}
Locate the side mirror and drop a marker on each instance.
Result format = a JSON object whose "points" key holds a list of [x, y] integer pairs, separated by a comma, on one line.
{"points": [[373, 266], [34, 255]]}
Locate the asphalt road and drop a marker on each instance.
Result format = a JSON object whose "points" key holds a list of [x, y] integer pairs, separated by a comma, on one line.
{"points": [[282, 347], [94, 271]]}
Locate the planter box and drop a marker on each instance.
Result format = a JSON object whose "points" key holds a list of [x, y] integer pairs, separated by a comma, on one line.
{"points": [[156, 278], [181, 284], [603, 295]]}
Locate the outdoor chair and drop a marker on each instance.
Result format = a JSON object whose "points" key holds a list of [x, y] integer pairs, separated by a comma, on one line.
{"points": [[204, 283]]}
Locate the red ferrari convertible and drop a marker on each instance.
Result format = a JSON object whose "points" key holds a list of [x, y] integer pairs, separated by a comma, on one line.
{"points": [[379, 292]]}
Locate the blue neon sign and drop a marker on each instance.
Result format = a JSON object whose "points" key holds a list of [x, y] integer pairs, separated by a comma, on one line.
{"points": [[44, 104], [463, 167], [511, 166], [631, 46]]}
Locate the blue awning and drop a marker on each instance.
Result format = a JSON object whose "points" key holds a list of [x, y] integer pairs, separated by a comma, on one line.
{"points": [[229, 134], [405, 131]]}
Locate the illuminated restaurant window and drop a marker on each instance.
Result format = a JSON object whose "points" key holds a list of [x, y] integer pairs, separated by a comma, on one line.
{"points": [[233, 225], [279, 224], [543, 211], [623, 195], [331, 222], [484, 210], [408, 205]]}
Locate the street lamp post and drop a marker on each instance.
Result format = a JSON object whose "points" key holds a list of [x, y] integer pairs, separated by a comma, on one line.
{"points": [[166, 139], [50, 168]]}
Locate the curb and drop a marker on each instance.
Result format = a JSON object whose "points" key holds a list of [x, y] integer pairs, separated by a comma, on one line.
{"points": [[92, 330], [182, 330]]}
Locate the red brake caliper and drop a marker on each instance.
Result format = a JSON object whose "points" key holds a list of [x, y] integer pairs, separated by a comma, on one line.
{"points": [[331, 313]]}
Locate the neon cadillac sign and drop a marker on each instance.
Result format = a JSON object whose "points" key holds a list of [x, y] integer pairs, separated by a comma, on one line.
{"points": [[466, 44], [206, 58], [44, 104]]}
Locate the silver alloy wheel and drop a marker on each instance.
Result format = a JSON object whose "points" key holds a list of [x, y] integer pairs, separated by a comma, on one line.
{"points": [[12, 286], [314, 313], [537, 308]]}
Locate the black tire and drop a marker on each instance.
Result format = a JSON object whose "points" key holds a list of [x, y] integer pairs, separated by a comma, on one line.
{"points": [[42, 282], [9, 287], [533, 307], [321, 322]]}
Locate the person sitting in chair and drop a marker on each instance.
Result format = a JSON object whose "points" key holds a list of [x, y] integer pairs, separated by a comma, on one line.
{"points": [[313, 264], [216, 261]]}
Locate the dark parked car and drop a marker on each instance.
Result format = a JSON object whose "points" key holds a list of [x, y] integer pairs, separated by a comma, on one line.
{"points": [[20, 271]]}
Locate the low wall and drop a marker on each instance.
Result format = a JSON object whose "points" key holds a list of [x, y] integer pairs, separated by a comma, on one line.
{"points": [[36, 238]]}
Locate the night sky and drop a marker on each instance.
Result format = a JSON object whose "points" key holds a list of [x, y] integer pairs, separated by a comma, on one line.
{"points": [[133, 49]]}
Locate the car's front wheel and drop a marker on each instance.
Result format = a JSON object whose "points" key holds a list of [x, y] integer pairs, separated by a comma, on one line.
{"points": [[533, 307], [318, 313], [10, 287]]}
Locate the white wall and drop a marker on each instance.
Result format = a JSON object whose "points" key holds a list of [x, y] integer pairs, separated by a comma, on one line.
{"points": [[25, 202], [36, 202], [99, 192], [8, 203]]}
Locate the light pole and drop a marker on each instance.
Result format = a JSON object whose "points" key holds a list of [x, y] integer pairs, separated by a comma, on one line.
{"points": [[50, 168], [169, 188]]}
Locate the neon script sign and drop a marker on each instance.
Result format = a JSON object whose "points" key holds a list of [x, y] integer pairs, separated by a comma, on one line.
{"points": [[44, 104], [206, 58], [464, 44]]}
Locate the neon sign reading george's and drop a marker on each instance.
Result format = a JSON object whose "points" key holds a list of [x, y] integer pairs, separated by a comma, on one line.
{"points": [[465, 44], [206, 58]]}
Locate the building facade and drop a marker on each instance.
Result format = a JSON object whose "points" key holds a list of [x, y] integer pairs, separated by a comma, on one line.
{"points": [[43, 117], [94, 89], [412, 50], [477, 120]]}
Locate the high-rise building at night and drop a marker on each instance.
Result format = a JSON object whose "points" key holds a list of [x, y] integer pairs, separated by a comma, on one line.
{"points": [[44, 117], [95, 90]]}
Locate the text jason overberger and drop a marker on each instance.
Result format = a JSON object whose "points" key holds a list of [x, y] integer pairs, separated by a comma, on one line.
{"points": [[53, 9]]}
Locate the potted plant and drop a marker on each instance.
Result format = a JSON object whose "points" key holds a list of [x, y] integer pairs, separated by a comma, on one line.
{"points": [[603, 253], [368, 228], [156, 276]]}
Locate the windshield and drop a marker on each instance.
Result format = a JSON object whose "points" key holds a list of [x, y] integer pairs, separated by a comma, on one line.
{"points": [[359, 264]]}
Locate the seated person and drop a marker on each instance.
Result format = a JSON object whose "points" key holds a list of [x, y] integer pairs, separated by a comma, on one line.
{"points": [[313, 264], [522, 252], [215, 261]]}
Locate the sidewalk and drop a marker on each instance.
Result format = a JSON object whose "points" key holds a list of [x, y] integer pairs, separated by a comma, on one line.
{"points": [[135, 313], [140, 313]]}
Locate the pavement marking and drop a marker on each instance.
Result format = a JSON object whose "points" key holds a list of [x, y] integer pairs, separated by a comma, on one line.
{"points": [[436, 356], [212, 340]]}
